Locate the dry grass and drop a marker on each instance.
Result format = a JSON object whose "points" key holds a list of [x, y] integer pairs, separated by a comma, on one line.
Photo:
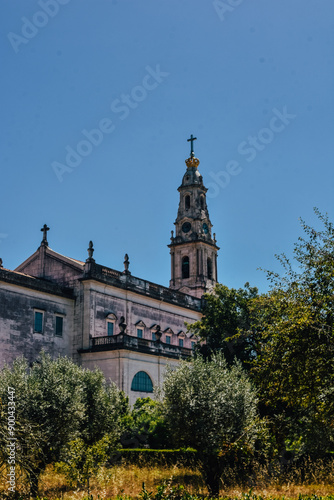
{"points": [[127, 480]]}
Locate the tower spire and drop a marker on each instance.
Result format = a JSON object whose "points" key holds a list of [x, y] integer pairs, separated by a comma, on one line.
{"points": [[193, 249]]}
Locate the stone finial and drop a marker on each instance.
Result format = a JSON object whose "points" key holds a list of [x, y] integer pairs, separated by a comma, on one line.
{"points": [[158, 333], [214, 238], [126, 264], [172, 236], [1, 263], [45, 229], [90, 251], [122, 324]]}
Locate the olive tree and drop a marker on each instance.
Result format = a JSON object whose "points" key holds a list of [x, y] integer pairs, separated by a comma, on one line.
{"points": [[56, 402], [213, 408]]}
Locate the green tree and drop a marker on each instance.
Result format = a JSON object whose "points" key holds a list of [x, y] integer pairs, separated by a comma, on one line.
{"points": [[293, 327], [105, 408], [225, 314], [211, 407], [146, 426], [81, 461], [53, 406]]}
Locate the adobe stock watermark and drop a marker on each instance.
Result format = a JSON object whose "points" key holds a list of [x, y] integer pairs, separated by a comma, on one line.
{"points": [[3, 236], [30, 27], [11, 441], [225, 7], [121, 107], [250, 148]]}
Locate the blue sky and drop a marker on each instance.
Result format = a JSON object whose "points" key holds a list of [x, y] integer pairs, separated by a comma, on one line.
{"points": [[99, 97]]}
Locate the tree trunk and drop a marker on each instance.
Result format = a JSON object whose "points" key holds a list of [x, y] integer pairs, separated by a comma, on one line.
{"points": [[213, 483], [212, 470], [34, 484]]}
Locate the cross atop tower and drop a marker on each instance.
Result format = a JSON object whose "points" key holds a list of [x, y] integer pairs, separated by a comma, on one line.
{"points": [[45, 229], [191, 140]]}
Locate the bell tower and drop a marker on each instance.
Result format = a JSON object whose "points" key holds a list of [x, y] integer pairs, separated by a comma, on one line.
{"points": [[193, 250]]}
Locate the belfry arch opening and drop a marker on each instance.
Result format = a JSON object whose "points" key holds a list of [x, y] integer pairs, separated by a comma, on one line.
{"points": [[209, 268], [185, 267], [187, 202]]}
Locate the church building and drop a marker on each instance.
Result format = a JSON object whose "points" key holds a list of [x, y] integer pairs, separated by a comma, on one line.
{"points": [[128, 327]]}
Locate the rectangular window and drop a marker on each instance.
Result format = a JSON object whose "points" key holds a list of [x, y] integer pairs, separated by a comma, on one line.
{"points": [[139, 333], [59, 326], [38, 322], [181, 342], [110, 328], [168, 337], [154, 337], [193, 345]]}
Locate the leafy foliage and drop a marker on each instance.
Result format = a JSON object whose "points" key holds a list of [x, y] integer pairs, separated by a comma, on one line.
{"points": [[211, 407], [225, 314], [146, 426], [293, 327], [56, 402], [152, 457], [81, 461], [105, 408]]}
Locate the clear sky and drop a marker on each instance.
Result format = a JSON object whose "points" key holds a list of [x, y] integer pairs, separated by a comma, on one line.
{"points": [[98, 98]]}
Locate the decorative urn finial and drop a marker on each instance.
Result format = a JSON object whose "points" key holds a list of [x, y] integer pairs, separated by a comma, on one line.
{"points": [[90, 251], [158, 333], [122, 325], [126, 264]]}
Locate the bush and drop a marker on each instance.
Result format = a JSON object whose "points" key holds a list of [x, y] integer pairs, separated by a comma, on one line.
{"points": [[148, 457]]}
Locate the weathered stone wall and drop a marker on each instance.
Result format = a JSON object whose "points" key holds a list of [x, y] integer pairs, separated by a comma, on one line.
{"points": [[17, 337], [135, 308], [90, 295]]}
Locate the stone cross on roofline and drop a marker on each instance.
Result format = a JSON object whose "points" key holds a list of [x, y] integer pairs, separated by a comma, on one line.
{"points": [[45, 229]]}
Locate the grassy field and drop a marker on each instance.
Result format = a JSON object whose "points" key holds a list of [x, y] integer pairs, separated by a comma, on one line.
{"points": [[126, 481]]}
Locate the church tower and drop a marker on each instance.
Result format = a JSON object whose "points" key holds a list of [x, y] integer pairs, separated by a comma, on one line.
{"points": [[193, 249]]}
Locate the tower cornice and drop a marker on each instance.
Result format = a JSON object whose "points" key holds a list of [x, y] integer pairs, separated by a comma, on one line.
{"points": [[184, 187], [193, 243]]}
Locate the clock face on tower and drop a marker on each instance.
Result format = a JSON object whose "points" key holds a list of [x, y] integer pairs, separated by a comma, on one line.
{"points": [[205, 228], [186, 226]]}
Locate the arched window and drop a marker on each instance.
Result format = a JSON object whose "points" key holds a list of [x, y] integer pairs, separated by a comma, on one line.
{"points": [[209, 268], [185, 267], [187, 202], [142, 383], [202, 202]]}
